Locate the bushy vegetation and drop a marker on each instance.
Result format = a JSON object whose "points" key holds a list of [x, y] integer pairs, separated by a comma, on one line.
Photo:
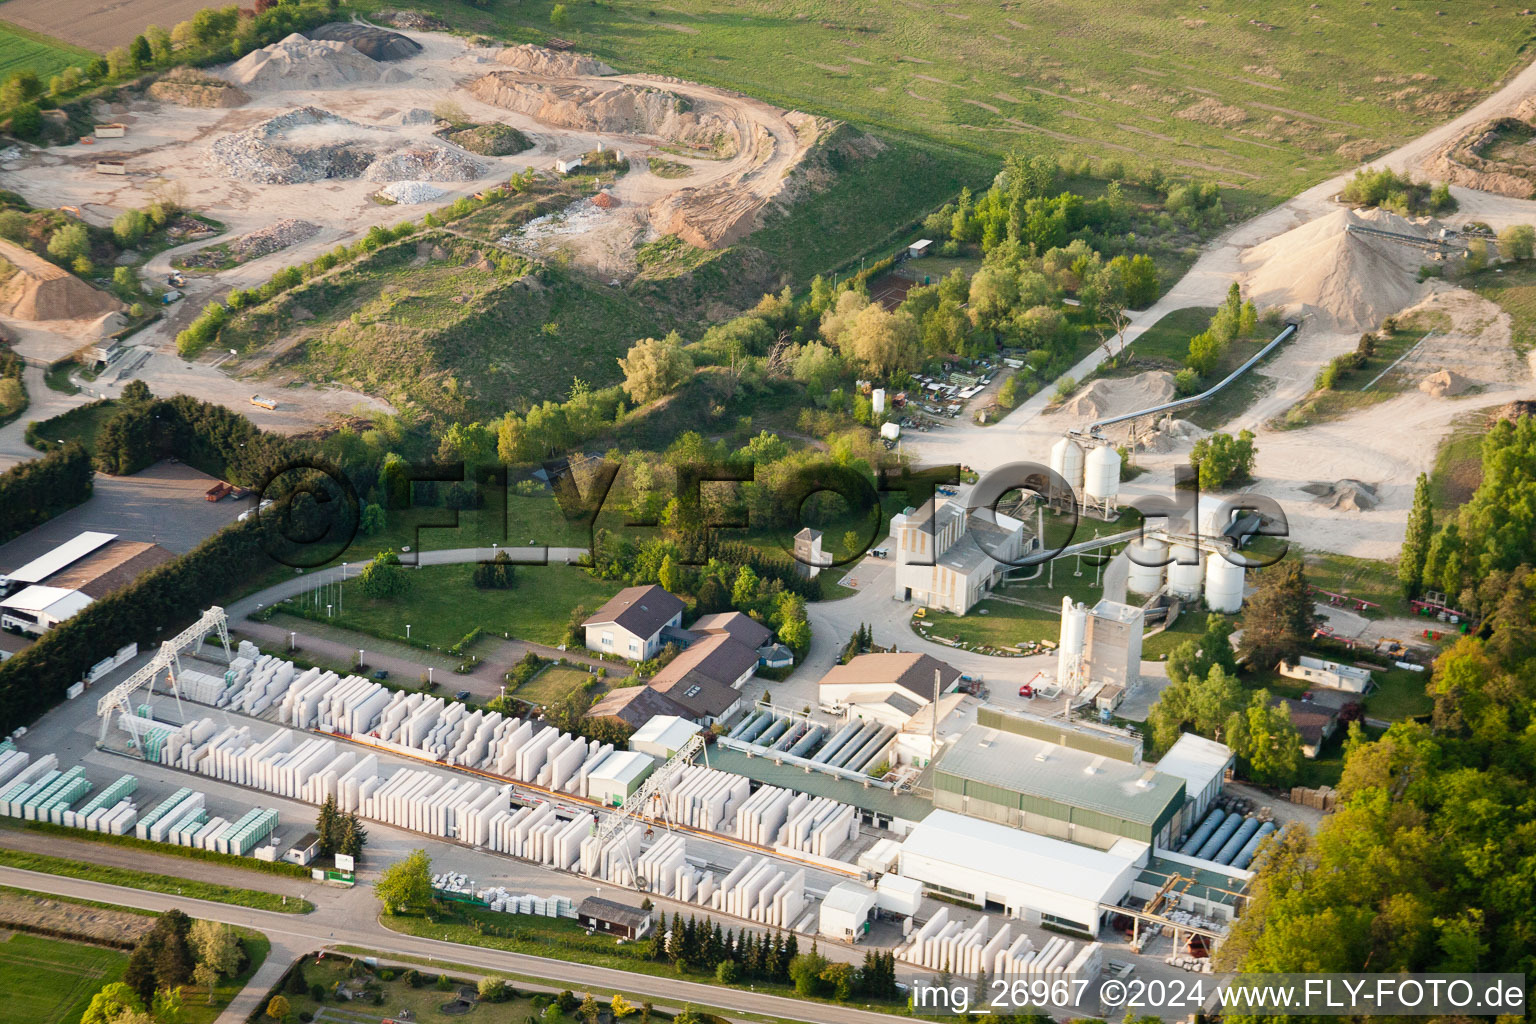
{"points": [[1399, 193], [34, 492], [1221, 459]]}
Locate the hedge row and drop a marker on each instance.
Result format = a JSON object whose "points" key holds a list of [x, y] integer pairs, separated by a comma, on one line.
{"points": [[170, 850], [36, 491]]}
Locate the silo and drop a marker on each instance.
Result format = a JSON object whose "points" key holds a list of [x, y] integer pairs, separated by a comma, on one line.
{"points": [[1074, 625], [1067, 460], [1184, 579], [1223, 585], [1146, 579], [1101, 478]]}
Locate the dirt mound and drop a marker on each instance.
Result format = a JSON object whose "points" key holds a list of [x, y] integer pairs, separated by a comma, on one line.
{"points": [[377, 43], [189, 87], [37, 290], [311, 144], [415, 21], [1479, 158], [1512, 411], [552, 62], [708, 218], [1444, 382], [1350, 281], [299, 63], [1114, 397], [1345, 495], [613, 107]]}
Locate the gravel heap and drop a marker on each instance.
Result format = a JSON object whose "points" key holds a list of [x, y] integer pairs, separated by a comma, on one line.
{"points": [[410, 192], [416, 115], [299, 63], [310, 144], [267, 240], [377, 43]]}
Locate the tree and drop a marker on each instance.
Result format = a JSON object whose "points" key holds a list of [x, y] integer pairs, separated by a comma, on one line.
{"points": [[1517, 241], [328, 827], [497, 574], [805, 971], [140, 52], [26, 121], [744, 590], [371, 521], [1279, 619], [883, 342], [353, 837], [406, 885], [494, 990], [218, 953], [69, 243], [110, 1003], [558, 16], [384, 578], [1421, 525], [1264, 737], [130, 226], [277, 1006], [619, 1007], [1222, 459], [654, 368], [1139, 278]]}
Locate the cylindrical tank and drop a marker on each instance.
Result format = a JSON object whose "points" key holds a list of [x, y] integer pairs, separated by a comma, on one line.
{"points": [[1233, 846], [1184, 579], [1146, 579], [1101, 475], [1067, 460], [1223, 585], [1074, 626], [1215, 516], [877, 401], [1251, 848], [1219, 838], [1200, 835]]}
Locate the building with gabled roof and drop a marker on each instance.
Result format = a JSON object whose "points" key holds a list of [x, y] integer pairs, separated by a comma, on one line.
{"points": [[631, 622], [949, 557]]}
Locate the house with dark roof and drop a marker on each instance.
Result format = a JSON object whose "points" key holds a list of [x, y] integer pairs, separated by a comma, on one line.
{"points": [[1313, 720], [706, 678], [631, 623], [636, 705], [613, 918]]}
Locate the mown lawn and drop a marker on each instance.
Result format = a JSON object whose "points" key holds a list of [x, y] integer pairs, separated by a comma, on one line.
{"points": [[443, 605], [991, 624], [50, 981], [24, 50], [554, 682], [80, 424], [150, 882]]}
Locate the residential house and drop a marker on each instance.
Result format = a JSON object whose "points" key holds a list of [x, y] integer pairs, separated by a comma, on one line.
{"points": [[631, 623]]}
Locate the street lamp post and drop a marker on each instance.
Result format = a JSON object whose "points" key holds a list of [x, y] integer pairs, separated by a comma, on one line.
{"points": [[292, 636], [407, 630], [328, 610]]}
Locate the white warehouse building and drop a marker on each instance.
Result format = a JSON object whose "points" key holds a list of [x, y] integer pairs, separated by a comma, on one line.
{"points": [[1202, 764], [1041, 880]]}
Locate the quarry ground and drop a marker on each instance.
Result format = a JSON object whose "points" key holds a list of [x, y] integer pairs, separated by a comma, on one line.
{"points": [[167, 152], [1385, 445]]}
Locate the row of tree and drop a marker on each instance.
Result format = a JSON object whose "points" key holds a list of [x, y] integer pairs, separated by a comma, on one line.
{"points": [[176, 952], [34, 492]]}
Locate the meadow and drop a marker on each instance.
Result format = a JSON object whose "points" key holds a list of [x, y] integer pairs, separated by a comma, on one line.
{"points": [[22, 50], [1267, 98], [50, 981]]}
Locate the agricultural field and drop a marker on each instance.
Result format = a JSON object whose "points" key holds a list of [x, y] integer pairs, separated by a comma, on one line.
{"points": [[22, 49], [1267, 99], [50, 981]]}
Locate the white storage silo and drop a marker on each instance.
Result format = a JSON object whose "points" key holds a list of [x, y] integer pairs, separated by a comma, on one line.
{"points": [[1184, 579], [1067, 460], [1223, 585], [1074, 626], [1101, 477], [877, 401], [1146, 579]]}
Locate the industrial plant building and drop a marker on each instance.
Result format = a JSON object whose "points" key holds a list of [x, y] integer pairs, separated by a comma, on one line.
{"points": [[64, 580], [948, 558], [1203, 765], [1043, 881], [1081, 795], [1100, 650], [1328, 674]]}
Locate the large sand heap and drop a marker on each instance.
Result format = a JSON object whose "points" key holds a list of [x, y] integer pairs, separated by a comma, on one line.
{"points": [[613, 107], [311, 144], [552, 63], [37, 290], [299, 63], [1114, 397], [1350, 281], [1444, 382], [376, 43]]}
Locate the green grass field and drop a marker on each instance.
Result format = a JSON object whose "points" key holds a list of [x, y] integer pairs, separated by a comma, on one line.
{"points": [[151, 882], [79, 424], [25, 50], [1458, 465], [1513, 287], [991, 624], [554, 682], [50, 981], [1270, 98], [443, 605]]}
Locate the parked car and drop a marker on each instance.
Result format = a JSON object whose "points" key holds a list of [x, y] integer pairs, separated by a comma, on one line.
{"points": [[382, 673], [462, 695]]}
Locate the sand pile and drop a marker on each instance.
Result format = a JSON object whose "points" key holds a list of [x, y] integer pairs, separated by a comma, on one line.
{"points": [[1443, 383], [1349, 281], [299, 63], [613, 107], [1345, 495], [190, 87], [552, 62], [708, 218], [375, 43], [37, 290], [1114, 397], [311, 144]]}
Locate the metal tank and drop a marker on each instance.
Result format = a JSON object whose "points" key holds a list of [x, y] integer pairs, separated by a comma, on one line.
{"points": [[1251, 848], [1074, 627], [1184, 580], [1201, 835], [1101, 475], [1067, 460], [1223, 585], [1146, 579]]}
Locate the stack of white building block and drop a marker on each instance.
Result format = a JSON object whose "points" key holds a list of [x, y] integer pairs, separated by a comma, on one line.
{"points": [[762, 890], [942, 944]]}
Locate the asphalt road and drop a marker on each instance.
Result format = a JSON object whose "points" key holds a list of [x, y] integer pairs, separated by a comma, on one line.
{"points": [[293, 936]]}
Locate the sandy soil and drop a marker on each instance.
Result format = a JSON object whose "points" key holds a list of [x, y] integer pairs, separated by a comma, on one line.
{"points": [[166, 151]]}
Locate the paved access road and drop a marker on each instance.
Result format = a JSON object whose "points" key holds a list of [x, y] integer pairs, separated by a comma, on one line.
{"points": [[292, 936]]}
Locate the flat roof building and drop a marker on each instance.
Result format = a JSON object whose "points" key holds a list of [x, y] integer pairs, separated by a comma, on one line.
{"points": [[1202, 764], [846, 912], [663, 736], [59, 558], [1041, 880], [37, 609], [1057, 791]]}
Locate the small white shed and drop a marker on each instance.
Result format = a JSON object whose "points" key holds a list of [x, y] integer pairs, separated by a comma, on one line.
{"points": [[919, 248], [847, 911]]}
